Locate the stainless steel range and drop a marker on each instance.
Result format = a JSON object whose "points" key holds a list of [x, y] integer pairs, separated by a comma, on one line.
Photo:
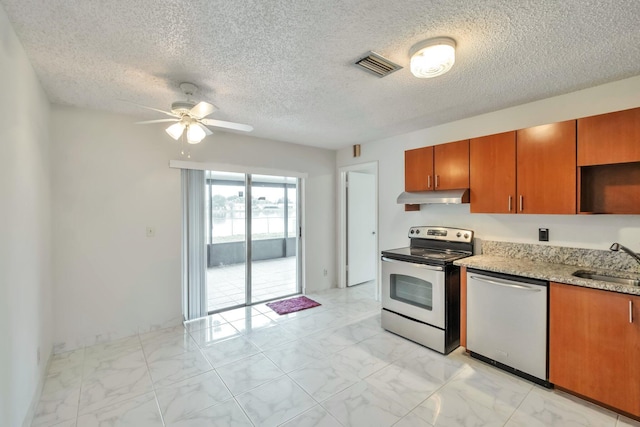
{"points": [[421, 286]]}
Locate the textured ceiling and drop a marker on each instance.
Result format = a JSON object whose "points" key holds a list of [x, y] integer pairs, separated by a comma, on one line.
{"points": [[285, 66]]}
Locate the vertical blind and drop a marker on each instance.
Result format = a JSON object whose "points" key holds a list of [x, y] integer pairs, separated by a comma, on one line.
{"points": [[194, 267]]}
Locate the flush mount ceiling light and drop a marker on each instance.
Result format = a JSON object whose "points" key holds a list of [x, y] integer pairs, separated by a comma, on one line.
{"points": [[433, 57]]}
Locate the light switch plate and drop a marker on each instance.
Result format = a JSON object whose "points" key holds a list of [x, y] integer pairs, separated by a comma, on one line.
{"points": [[151, 232]]}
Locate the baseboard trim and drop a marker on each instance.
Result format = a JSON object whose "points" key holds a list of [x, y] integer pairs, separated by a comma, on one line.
{"points": [[31, 412]]}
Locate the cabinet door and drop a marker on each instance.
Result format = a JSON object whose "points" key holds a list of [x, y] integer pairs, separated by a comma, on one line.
{"points": [[594, 343], [609, 138], [492, 174], [546, 169], [451, 164], [418, 169]]}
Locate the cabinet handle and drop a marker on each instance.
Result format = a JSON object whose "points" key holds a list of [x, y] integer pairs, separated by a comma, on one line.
{"points": [[411, 264], [630, 311], [509, 203], [507, 284], [437, 181], [521, 203], [428, 181]]}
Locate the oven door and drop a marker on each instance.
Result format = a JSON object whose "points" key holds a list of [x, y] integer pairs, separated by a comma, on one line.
{"points": [[414, 290]]}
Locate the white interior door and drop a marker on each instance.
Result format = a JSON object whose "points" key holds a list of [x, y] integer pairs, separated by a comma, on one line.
{"points": [[361, 228]]}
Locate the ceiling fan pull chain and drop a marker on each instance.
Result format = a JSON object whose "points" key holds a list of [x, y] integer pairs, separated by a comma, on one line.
{"points": [[182, 143]]}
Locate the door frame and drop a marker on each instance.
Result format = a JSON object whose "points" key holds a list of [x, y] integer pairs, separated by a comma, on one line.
{"points": [[248, 242], [369, 167]]}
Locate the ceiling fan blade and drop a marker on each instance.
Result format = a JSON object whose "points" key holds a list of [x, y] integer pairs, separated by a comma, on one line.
{"points": [[146, 122], [152, 109], [227, 125], [202, 109], [206, 130]]}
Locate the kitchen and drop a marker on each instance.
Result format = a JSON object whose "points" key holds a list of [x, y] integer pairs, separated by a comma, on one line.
{"points": [[596, 232]]}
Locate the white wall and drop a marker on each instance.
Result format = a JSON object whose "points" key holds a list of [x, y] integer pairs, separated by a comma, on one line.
{"points": [[111, 179], [25, 244], [594, 231]]}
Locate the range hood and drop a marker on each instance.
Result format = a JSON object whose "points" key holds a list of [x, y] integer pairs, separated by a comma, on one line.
{"points": [[426, 197]]}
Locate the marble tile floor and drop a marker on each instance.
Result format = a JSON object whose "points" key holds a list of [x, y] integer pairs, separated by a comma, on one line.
{"points": [[272, 278], [331, 365]]}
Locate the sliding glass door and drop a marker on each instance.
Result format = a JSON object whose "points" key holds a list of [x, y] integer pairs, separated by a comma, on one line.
{"points": [[226, 243], [253, 239], [273, 252]]}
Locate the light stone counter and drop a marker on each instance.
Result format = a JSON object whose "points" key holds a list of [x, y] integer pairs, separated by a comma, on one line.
{"points": [[555, 264]]}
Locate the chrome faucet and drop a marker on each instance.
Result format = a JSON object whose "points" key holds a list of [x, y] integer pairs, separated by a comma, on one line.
{"points": [[617, 246]]}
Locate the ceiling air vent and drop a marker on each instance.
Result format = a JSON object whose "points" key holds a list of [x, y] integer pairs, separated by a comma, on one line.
{"points": [[376, 64]]}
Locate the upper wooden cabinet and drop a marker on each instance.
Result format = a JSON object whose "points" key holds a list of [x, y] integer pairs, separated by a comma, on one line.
{"points": [[492, 179], [594, 342], [531, 171], [418, 169], [451, 165], [609, 138], [609, 189], [590, 165], [546, 168], [609, 163], [440, 167]]}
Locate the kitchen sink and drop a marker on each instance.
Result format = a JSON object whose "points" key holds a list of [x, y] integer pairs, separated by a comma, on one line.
{"points": [[585, 274]]}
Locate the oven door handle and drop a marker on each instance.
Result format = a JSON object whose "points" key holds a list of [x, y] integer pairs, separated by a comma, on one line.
{"points": [[507, 284], [413, 264]]}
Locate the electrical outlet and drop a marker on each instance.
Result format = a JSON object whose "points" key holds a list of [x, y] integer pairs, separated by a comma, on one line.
{"points": [[151, 232], [543, 234], [325, 272]]}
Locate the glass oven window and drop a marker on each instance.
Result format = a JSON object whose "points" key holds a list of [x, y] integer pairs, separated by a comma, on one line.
{"points": [[412, 290]]}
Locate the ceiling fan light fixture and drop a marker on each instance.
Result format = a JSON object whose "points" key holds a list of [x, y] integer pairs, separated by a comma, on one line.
{"points": [[432, 57], [175, 130], [190, 117], [195, 134]]}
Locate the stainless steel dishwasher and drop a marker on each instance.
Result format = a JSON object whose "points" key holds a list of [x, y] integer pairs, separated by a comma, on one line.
{"points": [[507, 318]]}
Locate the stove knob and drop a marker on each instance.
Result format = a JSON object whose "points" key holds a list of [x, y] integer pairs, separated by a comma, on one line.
{"points": [[417, 231], [466, 235], [412, 231], [459, 234]]}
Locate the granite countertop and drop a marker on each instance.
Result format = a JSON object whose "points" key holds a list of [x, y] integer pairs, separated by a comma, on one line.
{"points": [[553, 272]]}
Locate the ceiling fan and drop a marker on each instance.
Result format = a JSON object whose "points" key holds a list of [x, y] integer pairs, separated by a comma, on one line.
{"points": [[189, 118]]}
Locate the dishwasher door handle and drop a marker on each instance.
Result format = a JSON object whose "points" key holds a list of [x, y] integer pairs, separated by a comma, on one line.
{"points": [[507, 284], [413, 264]]}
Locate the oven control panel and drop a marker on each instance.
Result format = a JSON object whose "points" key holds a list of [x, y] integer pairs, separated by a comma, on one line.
{"points": [[441, 233]]}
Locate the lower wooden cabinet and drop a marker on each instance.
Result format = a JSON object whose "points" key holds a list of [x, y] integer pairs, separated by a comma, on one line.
{"points": [[594, 345]]}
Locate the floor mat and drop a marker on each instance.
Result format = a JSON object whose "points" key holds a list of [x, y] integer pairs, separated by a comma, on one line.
{"points": [[292, 305]]}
